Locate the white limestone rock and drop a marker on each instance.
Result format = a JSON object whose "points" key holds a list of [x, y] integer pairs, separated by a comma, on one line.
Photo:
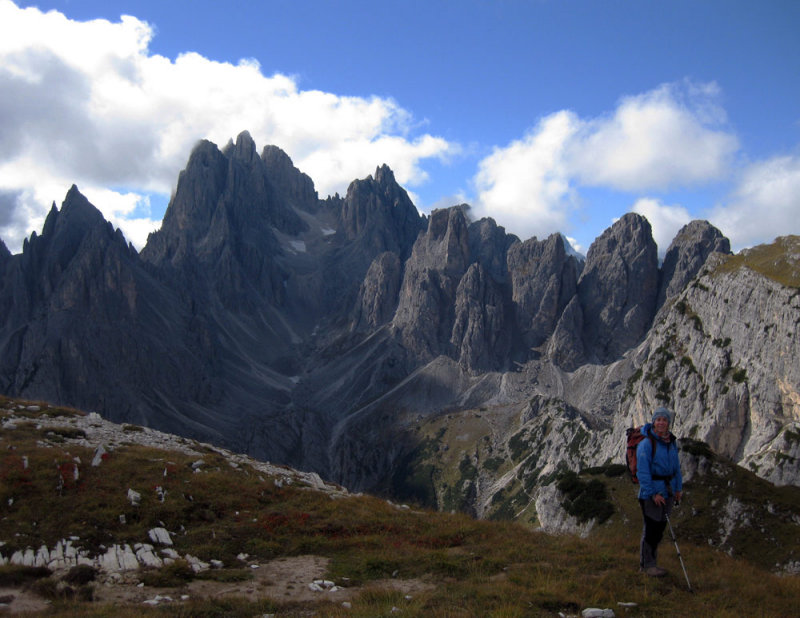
{"points": [[134, 496], [160, 536]]}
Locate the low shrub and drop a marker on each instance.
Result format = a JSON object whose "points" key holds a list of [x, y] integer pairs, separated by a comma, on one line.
{"points": [[15, 575], [585, 499], [171, 575]]}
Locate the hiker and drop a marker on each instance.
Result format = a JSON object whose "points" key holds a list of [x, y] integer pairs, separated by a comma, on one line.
{"points": [[660, 485]]}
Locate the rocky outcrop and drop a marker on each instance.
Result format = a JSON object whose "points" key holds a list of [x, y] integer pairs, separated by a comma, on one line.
{"points": [[543, 280], [260, 311], [489, 245], [378, 294], [219, 231], [378, 213], [687, 254], [723, 358], [439, 259], [481, 333], [293, 186], [618, 288], [81, 314], [156, 549], [565, 348], [5, 256]]}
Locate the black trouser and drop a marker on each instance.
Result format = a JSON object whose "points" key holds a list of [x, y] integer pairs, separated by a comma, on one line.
{"points": [[655, 521]]}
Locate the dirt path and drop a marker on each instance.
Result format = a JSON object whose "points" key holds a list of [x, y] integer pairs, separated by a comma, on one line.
{"points": [[284, 579]]}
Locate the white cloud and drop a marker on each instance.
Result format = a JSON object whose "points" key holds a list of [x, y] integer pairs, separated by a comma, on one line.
{"points": [[87, 103], [526, 185], [764, 205], [666, 221], [662, 139]]}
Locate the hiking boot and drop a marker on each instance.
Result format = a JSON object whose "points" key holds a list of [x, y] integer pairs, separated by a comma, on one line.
{"points": [[655, 571]]}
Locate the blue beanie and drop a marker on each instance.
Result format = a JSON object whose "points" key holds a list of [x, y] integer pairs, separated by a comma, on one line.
{"points": [[662, 412]]}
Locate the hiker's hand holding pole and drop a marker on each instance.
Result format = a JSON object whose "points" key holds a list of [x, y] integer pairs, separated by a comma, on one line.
{"points": [[678, 496], [659, 499]]}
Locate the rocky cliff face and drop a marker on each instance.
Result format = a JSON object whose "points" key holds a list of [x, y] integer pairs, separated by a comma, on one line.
{"points": [[83, 318], [618, 288], [334, 335], [687, 254], [723, 357]]}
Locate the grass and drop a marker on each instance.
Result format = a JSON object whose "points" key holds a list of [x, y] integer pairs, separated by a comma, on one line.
{"points": [[778, 261], [462, 566]]}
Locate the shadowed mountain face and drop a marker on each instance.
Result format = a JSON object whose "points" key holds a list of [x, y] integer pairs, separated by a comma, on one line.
{"points": [[324, 333]]}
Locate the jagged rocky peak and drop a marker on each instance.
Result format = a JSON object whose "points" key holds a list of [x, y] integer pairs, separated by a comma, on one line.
{"points": [[64, 230], [445, 246], [244, 149], [5, 254], [77, 212], [290, 182], [378, 293], [438, 260], [221, 196], [488, 245], [543, 280], [618, 288], [687, 253], [199, 187], [379, 208], [480, 336]]}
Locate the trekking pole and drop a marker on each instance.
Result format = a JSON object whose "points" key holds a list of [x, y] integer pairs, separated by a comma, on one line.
{"points": [[674, 540]]}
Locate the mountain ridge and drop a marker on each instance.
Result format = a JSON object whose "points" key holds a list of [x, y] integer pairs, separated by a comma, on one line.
{"points": [[324, 333]]}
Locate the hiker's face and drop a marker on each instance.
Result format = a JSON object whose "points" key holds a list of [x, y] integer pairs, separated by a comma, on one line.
{"points": [[661, 425]]}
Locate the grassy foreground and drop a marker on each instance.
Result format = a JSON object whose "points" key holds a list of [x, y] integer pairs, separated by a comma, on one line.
{"points": [[465, 567]]}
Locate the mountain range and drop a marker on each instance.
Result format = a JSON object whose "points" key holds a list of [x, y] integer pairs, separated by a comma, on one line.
{"points": [[432, 357]]}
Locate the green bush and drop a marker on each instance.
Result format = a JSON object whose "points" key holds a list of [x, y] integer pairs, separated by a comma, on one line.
{"points": [[169, 576], [15, 575], [80, 575], [697, 448], [585, 499]]}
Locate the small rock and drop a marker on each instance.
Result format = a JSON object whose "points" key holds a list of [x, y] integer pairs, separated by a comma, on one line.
{"points": [[594, 612], [135, 497], [160, 535]]}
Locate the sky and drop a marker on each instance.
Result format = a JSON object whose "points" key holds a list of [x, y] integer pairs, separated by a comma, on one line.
{"points": [[546, 115]]}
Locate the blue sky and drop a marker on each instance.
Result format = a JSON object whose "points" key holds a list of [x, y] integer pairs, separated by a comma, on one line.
{"points": [[546, 115]]}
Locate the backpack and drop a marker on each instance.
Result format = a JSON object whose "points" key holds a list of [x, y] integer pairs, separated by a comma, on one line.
{"points": [[634, 435]]}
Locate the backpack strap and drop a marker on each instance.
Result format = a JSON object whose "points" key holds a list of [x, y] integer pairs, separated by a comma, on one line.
{"points": [[660, 477]]}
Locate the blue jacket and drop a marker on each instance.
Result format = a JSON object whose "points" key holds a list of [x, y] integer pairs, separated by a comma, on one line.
{"points": [[664, 462]]}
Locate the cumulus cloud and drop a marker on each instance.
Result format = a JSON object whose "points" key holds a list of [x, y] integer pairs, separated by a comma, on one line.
{"points": [[670, 137], [662, 139], [88, 103], [526, 185], [764, 204]]}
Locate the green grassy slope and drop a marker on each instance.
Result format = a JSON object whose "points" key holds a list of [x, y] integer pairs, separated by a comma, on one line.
{"points": [[470, 567]]}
